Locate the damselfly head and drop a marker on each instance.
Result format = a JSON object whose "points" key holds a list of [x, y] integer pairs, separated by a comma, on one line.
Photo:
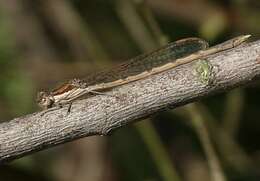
{"points": [[45, 100]]}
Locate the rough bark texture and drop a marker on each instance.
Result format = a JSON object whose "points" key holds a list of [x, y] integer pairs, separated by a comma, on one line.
{"points": [[99, 115]]}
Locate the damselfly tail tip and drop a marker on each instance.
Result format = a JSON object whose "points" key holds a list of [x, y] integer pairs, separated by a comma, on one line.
{"points": [[243, 38], [240, 39], [247, 36]]}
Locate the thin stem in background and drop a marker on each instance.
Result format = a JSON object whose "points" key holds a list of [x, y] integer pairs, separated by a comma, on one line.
{"points": [[200, 128], [156, 31], [134, 24], [231, 152], [157, 150], [233, 110], [80, 38]]}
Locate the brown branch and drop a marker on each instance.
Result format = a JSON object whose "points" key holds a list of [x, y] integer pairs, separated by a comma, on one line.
{"points": [[100, 115]]}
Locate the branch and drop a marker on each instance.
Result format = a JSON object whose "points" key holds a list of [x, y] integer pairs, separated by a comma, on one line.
{"points": [[100, 115]]}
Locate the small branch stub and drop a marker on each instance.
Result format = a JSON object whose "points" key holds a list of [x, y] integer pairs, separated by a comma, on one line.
{"points": [[204, 71]]}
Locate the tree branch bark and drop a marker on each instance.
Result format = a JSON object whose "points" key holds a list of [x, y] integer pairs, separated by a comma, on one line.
{"points": [[100, 115]]}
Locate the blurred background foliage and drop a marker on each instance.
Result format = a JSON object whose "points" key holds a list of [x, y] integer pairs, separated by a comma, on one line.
{"points": [[44, 42]]}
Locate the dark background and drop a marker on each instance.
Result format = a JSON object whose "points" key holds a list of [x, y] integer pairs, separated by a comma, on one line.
{"points": [[46, 42]]}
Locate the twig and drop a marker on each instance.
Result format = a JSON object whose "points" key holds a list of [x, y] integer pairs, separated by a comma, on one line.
{"points": [[231, 152], [233, 110], [201, 129], [157, 150], [100, 115], [135, 25]]}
